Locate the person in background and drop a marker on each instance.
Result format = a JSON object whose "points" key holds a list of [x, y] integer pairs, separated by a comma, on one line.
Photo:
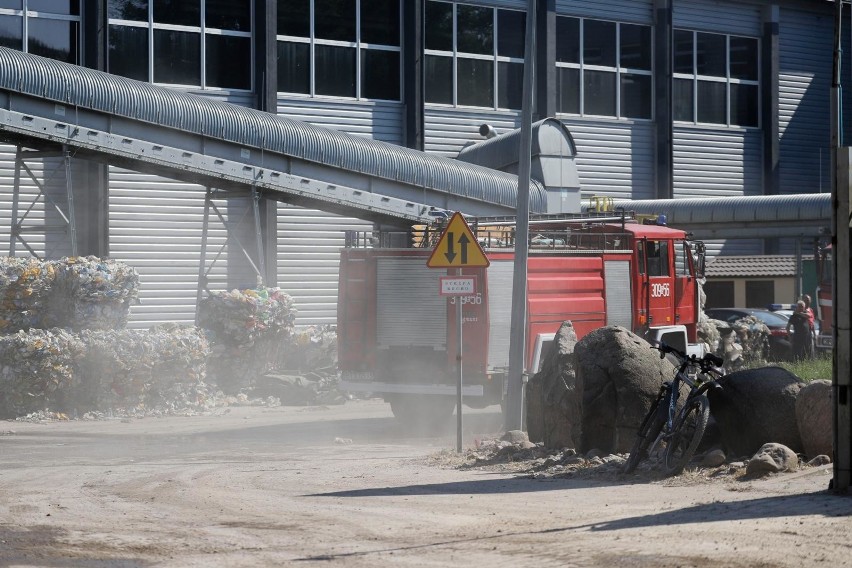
{"points": [[811, 320], [802, 338]]}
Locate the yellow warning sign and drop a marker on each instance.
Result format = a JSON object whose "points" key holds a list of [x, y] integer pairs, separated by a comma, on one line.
{"points": [[457, 247]]}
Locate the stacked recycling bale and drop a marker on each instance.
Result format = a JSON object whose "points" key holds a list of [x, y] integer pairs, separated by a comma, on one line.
{"points": [[42, 304], [246, 329], [90, 293], [24, 287], [141, 368], [37, 370]]}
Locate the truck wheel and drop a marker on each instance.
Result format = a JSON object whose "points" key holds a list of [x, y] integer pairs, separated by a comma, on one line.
{"points": [[422, 411]]}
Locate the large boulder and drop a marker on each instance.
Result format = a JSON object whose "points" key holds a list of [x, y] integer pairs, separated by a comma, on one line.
{"points": [[618, 377], [814, 413], [755, 407], [553, 407]]}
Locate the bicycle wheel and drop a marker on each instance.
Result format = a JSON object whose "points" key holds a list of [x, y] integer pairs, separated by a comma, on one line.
{"points": [[686, 435], [651, 427]]}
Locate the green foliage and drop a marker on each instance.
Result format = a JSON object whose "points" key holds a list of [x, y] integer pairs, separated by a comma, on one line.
{"points": [[811, 369]]}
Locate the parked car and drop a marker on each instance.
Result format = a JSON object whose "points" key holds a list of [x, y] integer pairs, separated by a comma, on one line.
{"points": [[780, 347], [787, 310]]}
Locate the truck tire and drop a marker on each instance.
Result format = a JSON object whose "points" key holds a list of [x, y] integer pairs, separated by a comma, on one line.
{"points": [[422, 411]]}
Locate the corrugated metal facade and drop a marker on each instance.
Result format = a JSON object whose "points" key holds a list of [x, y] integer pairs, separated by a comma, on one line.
{"points": [[741, 18], [614, 158], [155, 225], [804, 87], [52, 245], [309, 240], [377, 120], [448, 130], [638, 12], [715, 163], [309, 243]]}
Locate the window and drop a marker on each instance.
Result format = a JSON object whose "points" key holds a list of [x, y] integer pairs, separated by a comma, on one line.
{"points": [[356, 48], [719, 293], [658, 258], [603, 68], [716, 79], [682, 254], [759, 293], [182, 42], [474, 55], [52, 28]]}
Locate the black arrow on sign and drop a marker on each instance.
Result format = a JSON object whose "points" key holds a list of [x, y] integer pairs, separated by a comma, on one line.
{"points": [[451, 253], [464, 241]]}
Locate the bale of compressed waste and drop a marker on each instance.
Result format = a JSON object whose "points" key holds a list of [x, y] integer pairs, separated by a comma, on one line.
{"points": [[24, 286], [246, 329], [163, 365], [73, 293], [37, 369], [311, 348], [90, 293]]}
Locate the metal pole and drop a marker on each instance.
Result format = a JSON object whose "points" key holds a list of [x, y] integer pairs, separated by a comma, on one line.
{"points": [[459, 323], [202, 262], [518, 336], [842, 311], [69, 195], [258, 235]]}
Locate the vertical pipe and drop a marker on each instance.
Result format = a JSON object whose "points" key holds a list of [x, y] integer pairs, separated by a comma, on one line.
{"points": [[202, 263], [69, 195], [518, 336], [16, 197]]}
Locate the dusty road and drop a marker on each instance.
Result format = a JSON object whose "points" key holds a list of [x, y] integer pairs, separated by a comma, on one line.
{"points": [[271, 487]]}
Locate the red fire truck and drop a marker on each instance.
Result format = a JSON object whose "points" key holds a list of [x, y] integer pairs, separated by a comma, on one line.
{"points": [[397, 337]]}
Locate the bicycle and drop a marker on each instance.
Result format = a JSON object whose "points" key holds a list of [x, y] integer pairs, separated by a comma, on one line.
{"points": [[680, 429]]}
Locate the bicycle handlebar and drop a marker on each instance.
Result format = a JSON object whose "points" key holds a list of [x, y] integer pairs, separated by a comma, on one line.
{"points": [[707, 363]]}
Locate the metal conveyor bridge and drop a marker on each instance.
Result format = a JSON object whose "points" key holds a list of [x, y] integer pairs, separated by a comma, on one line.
{"points": [[151, 129]]}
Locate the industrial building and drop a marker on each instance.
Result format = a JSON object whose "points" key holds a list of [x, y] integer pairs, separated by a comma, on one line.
{"points": [[663, 99]]}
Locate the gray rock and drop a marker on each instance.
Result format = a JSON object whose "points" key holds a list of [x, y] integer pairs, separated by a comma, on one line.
{"points": [[618, 376], [515, 437], [756, 407], [713, 458], [526, 445], [814, 410], [594, 453], [553, 413], [819, 460], [772, 458]]}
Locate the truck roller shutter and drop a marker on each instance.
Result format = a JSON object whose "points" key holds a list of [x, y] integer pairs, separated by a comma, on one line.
{"points": [[619, 305], [500, 276], [410, 310]]}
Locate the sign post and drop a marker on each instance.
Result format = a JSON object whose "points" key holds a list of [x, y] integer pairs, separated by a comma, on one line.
{"points": [[458, 249]]}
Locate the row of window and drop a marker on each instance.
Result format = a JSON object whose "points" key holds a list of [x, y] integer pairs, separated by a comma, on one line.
{"points": [[352, 48]]}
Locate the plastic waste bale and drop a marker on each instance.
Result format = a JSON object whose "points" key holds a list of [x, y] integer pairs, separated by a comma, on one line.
{"points": [[90, 293], [141, 368], [246, 329], [24, 285], [37, 370]]}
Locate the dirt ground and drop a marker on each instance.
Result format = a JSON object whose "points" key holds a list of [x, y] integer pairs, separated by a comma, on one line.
{"points": [[345, 486]]}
